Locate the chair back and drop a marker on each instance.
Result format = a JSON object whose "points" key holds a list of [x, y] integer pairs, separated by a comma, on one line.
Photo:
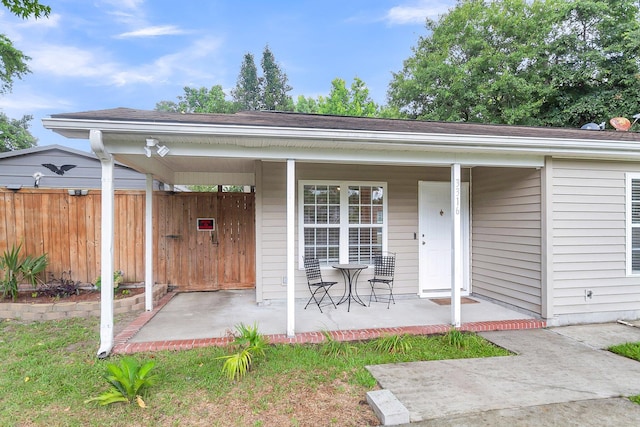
{"points": [[384, 266], [312, 270]]}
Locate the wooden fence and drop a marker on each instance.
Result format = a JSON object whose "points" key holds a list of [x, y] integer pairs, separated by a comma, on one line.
{"points": [[67, 228]]}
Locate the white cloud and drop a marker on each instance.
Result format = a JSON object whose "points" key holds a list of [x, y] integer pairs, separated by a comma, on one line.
{"points": [[18, 104], [69, 61], [159, 30], [417, 12]]}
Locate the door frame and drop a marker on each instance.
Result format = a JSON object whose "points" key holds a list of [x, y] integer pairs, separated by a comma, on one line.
{"points": [[466, 236]]}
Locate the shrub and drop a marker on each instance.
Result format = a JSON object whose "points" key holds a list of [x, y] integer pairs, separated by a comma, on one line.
{"points": [[118, 278]]}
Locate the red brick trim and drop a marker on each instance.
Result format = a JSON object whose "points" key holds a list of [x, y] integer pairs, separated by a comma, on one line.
{"points": [[124, 347]]}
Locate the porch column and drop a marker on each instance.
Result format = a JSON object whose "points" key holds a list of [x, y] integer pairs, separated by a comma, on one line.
{"points": [[106, 244], [291, 281], [148, 245], [456, 244]]}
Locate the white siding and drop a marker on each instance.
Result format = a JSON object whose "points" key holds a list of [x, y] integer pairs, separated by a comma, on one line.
{"points": [[588, 217], [402, 188], [506, 236]]}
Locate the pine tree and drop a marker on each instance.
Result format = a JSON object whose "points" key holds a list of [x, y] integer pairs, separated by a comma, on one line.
{"points": [[247, 91]]}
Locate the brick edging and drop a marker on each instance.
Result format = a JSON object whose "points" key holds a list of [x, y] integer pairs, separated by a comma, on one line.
{"points": [[122, 347]]}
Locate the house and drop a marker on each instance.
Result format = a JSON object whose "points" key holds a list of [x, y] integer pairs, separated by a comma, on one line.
{"points": [[56, 166], [543, 220]]}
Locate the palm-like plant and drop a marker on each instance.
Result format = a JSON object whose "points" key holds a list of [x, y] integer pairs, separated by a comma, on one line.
{"points": [[17, 269], [129, 382], [249, 342]]}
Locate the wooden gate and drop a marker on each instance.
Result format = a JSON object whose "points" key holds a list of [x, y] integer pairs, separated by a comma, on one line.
{"points": [[205, 260]]}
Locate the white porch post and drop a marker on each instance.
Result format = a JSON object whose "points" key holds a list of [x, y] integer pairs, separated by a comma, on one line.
{"points": [[291, 281], [456, 244], [148, 245], [106, 247]]}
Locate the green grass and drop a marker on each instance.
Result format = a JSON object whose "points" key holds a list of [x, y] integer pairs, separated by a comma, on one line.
{"points": [[632, 351], [49, 369]]}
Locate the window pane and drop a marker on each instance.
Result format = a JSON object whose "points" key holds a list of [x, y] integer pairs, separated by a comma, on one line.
{"points": [[322, 222], [363, 243]]}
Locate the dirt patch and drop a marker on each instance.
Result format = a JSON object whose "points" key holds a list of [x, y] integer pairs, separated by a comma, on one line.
{"points": [[31, 297]]}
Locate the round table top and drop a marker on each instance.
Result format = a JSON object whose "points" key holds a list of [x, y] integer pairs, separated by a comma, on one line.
{"points": [[350, 266]]}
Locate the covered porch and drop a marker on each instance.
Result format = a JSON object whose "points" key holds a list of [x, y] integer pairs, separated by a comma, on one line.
{"points": [[199, 319], [458, 203]]}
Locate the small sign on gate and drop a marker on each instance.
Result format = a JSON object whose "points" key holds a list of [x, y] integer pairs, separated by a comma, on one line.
{"points": [[206, 224]]}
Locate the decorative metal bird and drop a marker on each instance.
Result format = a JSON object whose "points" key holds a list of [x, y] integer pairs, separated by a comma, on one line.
{"points": [[58, 170]]}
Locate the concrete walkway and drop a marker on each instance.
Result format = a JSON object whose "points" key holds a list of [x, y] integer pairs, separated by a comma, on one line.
{"points": [[559, 376]]}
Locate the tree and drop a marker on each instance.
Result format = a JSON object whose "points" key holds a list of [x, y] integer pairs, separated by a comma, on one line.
{"points": [[26, 8], [247, 91], [201, 100], [538, 62], [273, 84], [348, 102], [14, 134], [306, 105], [341, 101], [268, 92], [13, 63]]}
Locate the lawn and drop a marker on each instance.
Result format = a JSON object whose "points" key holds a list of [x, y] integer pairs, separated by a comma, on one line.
{"points": [[632, 351], [49, 369]]}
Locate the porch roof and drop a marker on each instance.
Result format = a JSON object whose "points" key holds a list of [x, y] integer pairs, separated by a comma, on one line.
{"points": [[236, 140]]}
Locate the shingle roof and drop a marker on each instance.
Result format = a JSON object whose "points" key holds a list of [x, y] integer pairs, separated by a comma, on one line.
{"points": [[316, 121]]}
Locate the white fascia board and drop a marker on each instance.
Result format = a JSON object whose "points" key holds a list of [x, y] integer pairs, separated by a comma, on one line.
{"points": [[361, 139]]}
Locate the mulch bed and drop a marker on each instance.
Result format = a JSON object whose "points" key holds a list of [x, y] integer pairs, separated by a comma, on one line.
{"points": [[83, 296]]}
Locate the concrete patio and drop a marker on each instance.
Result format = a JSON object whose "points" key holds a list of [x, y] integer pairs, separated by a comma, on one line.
{"points": [[188, 320]]}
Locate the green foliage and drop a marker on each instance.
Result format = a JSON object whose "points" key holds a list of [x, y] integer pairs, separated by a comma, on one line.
{"points": [[630, 350], [248, 343], [58, 358], [273, 84], [455, 338], [129, 381], [247, 91], [201, 100], [13, 64], [268, 92], [14, 134], [236, 365], [392, 344], [334, 348], [26, 8], [118, 278], [249, 337], [540, 62], [17, 269], [342, 101]]}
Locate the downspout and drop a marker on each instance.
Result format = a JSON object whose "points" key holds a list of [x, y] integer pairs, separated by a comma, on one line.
{"points": [[106, 244]]}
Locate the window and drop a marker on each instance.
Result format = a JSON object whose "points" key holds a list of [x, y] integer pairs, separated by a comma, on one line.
{"points": [[633, 224], [342, 221]]}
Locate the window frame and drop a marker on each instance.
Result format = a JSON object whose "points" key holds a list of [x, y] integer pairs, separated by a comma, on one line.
{"points": [[630, 178], [343, 225]]}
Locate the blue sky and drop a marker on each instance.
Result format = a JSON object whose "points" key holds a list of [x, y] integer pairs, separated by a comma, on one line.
{"points": [[91, 55]]}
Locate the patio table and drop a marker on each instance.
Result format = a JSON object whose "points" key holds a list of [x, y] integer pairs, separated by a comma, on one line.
{"points": [[350, 272]]}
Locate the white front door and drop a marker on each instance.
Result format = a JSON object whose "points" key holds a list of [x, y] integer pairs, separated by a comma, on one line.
{"points": [[435, 225]]}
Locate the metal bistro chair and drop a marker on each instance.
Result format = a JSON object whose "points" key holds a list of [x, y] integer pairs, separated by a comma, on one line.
{"points": [[316, 284], [382, 282]]}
